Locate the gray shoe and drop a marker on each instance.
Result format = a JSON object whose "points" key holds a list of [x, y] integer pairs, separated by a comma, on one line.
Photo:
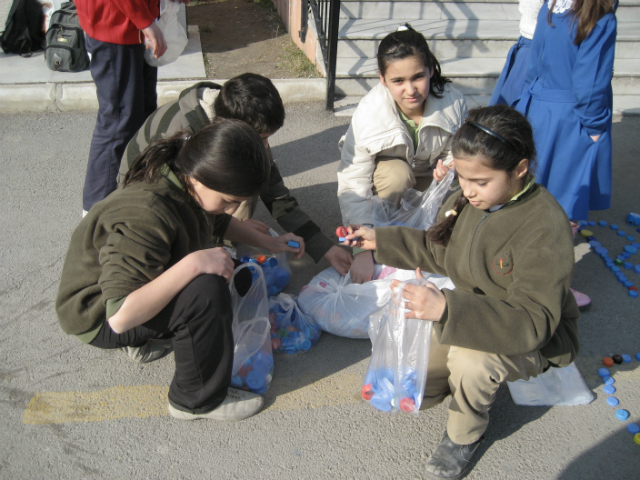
{"points": [[238, 405], [149, 352], [451, 461]]}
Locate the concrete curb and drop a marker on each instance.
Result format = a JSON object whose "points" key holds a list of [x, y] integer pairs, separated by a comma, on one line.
{"points": [[65, 97]]}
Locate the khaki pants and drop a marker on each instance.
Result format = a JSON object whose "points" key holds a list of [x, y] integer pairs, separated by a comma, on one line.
{"points": [[472, 379], [393, 177]]}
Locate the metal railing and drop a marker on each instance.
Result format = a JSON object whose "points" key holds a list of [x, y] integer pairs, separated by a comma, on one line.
{"points": [[327, 18]]}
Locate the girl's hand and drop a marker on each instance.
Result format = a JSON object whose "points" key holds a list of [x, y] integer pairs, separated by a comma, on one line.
{"points": [[339, 259], [154, 40], [362, 267], [440, 171], [279, 244], [256, 225], [359, 236], [213, 261], [426, 302]]}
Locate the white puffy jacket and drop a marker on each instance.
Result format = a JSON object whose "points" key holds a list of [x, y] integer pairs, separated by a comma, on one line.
{"points": [[377, 130]]}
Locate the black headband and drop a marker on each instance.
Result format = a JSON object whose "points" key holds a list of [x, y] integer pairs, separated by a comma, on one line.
{"points": [[493, 134]]}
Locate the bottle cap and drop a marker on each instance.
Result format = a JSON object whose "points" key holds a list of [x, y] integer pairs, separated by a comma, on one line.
{"points": [[625, 255], [380, 403], [638, 356], [633, 428], [613, 401], [594, 243], [635, 245], [342, 232], [586, 233], [636, 268], [613, 226], [591, 222], [607, 362], [621, 233], [608, 380], [293, 244], [407, 404], [626, 358], [617, 359], [631, 238], [602, 223], [621, 414], [628, 284], [601, 251], [367, 391], [615, 268], [261, 259], [636, 437], [609, 389], [603, 372], [631, 249], [633, 293]]}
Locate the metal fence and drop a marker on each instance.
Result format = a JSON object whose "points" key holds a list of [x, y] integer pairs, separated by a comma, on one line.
{"points": [[327, 18]]}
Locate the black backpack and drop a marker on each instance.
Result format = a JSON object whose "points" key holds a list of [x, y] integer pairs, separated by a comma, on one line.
{"points": [[23, 32], [66, 50]]}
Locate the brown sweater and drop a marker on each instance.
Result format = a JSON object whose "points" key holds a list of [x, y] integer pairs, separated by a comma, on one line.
{"points": [[512, 270]]}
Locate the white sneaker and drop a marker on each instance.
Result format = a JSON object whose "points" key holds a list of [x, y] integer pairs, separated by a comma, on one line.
{"points": [[149, 352], [238, 405]]}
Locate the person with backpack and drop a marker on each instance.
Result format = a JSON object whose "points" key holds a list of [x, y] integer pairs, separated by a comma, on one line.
{"points": [[23, 32], [125, 83]]}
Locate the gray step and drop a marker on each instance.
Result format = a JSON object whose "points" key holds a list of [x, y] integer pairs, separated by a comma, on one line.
{"points": [[429, 10], [622, 104], [470, 75]]}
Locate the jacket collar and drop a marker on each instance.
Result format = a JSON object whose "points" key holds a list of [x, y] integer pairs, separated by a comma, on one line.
{"points": [[189, 102]]}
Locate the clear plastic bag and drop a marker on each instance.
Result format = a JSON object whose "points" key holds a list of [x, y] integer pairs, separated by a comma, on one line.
{"points": [[252, 356], [275, 268], [291, 330], [557, 386], [417, 209], [397, 372], [174, 35]]}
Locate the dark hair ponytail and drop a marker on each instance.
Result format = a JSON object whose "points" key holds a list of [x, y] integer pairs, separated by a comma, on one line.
{"points": [[409, 43], [498, 135], [227, 156]]}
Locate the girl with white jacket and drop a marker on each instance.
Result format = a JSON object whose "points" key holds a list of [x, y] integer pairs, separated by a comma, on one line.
{"points": [[400, 134]]}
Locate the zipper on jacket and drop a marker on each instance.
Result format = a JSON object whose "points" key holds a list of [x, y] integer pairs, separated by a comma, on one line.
{"points": [[475, 234]]}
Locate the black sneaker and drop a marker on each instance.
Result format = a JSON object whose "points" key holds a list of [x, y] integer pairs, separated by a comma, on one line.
{"points": [[451, 461]]}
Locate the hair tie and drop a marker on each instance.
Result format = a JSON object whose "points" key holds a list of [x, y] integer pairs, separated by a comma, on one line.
{"points": [[493, 134], [450, 212]]}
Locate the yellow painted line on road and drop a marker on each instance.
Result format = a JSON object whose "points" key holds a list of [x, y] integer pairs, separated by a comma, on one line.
{"points": [[151, 400]]}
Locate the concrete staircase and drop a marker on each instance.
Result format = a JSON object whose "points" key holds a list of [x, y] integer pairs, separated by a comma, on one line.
{"points": [[470, 39]]}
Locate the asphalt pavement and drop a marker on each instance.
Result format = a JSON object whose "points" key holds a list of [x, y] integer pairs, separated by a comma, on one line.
{"points": [[71, 411]]}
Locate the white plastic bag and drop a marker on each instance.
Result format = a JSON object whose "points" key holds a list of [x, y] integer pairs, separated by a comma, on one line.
{"points": [[557, 386], [417, 209], [291, 330], [277, 272], [252, 356], [174, 35], [397, 372]]}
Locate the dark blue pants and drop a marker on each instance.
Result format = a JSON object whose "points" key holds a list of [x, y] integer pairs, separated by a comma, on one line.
{"points": [[126, 88], [199, 321]]}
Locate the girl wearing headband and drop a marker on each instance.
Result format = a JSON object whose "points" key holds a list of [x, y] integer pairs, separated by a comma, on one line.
{"points": [[506, 244], [400, 134]]}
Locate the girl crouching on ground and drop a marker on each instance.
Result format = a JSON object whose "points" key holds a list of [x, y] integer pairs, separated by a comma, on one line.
{"points": [[506, 244], [140, 270], [399, 136]]}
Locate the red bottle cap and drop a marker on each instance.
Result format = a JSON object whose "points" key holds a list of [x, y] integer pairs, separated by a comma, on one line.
{"points": [[342, 232], [607, 362], [367, 391], [261, 259], [276, 343], [407, 404]]}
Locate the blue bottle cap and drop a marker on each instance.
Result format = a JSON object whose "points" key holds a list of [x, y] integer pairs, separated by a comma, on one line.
{"points": [[631, 249], [635, 245], [626, 358], [591, 222], [609, 389], [620, 257], [633, 293], [633, 428], [621, 233], [636, 269], [613, 401], [600, 250], [602, 223], [380, 403], [631, 238], [607, 258], [628, 284], [603, 372], [613, 226], [638, 356], [591, 238], [622, 279], [594, 243], [608, 380], [626, 255], [621, 414], [615, 268], [638, 230], [293, 244], [609, 264], [584, 223]]}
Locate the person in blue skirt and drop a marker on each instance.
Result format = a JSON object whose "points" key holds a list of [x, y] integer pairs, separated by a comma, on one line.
{"points": [[568, 100], [511, 82]]}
